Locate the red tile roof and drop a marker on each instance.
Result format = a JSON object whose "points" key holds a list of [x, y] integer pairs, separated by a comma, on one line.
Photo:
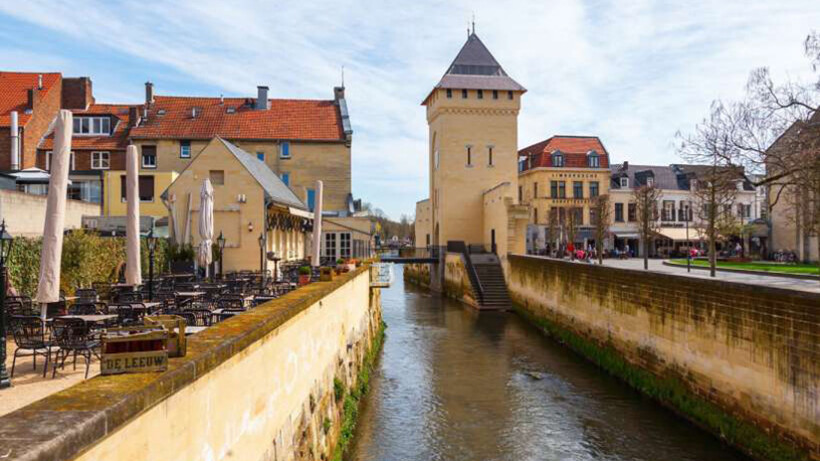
{"points": [[285, 119], [117, 141], [574, 148], [14, 88]]}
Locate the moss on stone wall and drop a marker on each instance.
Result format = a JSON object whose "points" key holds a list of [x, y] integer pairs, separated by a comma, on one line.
{"points": [[672, 393], [353, 397]]}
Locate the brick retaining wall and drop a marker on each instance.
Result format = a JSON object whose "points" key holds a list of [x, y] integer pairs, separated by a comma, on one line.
{"points": [[754, 352]]}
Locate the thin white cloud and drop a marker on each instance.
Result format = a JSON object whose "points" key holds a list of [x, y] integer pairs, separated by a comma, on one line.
{"points": [[631, 72]]}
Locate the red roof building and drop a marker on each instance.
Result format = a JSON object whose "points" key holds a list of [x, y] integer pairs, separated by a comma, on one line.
{"points": [[35, 98], [573, 152]]}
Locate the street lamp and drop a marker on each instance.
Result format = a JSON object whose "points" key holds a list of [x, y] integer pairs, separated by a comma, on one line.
{"points": [[262, 245], [6, 241], [220, 243], [688, 243], [151, 242]]}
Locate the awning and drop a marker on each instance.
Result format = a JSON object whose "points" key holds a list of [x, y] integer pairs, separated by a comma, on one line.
{"points": [[678, 234], [626, 235], [300, 213]]}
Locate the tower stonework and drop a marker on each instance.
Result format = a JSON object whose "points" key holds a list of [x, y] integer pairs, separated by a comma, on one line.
{"points": [[472, 114]]}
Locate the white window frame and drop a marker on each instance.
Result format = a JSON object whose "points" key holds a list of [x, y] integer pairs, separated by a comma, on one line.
{"points": [[650, 181], [146, 165], [624, 182], [594, 161], [330, 251], [181, 145], [558, 160], [103, 128], [98, 161]]}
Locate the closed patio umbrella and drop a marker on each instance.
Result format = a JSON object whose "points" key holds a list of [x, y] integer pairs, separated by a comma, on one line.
{"points": [[206, 224], [48, 288], [133, 271]]}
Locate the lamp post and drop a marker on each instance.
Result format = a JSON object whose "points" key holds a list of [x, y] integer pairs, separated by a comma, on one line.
{"points": [[262, 244], [220, 243], [688, 243], [151, 242], [6, 241]]}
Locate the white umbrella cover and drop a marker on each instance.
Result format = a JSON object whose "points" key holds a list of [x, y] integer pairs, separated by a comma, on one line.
{"points": [[317, 225], [48, 288], [206, 223], [133, 269]]}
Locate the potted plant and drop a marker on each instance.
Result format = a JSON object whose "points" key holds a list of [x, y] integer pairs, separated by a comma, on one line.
{"points": [[326, 274], [351, 265], [304, 275], [340, 266]]}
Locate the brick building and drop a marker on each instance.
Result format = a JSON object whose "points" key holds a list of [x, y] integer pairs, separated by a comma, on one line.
{"points": [[35, 98]]}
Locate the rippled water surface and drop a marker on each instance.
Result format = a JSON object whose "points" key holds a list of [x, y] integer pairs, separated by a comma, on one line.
{"points": [[455, 384]]}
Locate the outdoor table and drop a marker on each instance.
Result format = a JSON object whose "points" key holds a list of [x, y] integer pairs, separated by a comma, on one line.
{"points": [[92, 318], [189, 294], [194, 329]]}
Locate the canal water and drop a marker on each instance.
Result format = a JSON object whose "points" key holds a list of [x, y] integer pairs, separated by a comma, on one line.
{"points": [[455, 384]]}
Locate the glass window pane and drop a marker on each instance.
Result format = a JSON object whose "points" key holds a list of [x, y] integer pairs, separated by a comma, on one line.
{"points": [[86, 125], [97, 126], [76, 124]]}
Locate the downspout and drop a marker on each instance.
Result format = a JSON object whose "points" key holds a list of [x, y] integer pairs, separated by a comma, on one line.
{"points": [[15, 142]]}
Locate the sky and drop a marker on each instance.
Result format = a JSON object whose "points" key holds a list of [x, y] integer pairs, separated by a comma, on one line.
{"points": [[631, 72]]}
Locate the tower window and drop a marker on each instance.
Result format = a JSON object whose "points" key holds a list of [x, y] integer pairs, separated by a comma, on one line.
{"points": [[490, 155], [469, 155], [449, 93], [495, 94], [480, 94], [509, 95], [463, 94]]}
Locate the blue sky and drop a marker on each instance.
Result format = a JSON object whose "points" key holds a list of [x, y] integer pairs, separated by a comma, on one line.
{"points": [[631, 72]]}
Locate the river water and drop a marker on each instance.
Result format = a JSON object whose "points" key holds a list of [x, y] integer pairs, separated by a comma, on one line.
{"points": [[456, 384]]}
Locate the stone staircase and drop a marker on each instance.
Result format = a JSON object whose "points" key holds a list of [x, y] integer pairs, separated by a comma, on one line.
{"points": [[490, 275]]}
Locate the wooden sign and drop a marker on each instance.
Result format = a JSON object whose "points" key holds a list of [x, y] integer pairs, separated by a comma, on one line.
{"points": [[136, 349], [177, 343]]}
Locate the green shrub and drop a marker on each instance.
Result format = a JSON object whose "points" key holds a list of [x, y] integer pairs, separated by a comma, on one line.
{"points": [[87, 258]]}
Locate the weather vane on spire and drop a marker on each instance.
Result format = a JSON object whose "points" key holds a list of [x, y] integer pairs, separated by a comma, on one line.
{"points": [[473, 22]]}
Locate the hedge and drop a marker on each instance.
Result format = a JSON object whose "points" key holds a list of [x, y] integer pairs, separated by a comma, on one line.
{"points": [[87, 257]]}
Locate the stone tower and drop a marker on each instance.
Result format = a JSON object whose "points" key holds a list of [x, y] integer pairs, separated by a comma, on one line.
{"points": [[472, 114]]}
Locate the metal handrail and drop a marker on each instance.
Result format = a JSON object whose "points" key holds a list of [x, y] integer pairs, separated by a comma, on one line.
{"points": [[461, 247]]}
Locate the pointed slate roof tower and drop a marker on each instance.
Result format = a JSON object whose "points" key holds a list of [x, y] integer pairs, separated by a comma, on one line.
{"points": [[475, 68]]}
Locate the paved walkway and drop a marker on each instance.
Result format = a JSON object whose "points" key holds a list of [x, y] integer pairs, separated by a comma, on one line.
{"points": [[656, 265]]}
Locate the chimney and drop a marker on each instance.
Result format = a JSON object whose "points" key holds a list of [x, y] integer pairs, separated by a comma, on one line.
{"points": [[149, 93], [261, 98], [15, 142], [338, 93], [626, 165], [133, 116], [40, 81], [77, 93]]}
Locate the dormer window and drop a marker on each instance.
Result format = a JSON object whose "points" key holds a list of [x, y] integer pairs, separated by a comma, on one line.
{"points": [[161, 112], [231, 110], [92, 126], [557, 159], [593, 159], [624, 182], [650, 181]]}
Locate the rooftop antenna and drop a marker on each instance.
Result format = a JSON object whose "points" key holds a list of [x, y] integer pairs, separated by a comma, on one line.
{"points": [[473, 22], [343, 75]]}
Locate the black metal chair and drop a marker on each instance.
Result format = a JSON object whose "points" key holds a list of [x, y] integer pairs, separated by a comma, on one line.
{"points": [[127, 314], [128, 297], [103, 290], [232, 302], [197, 317], [30, 334], [86, 308], [86, 295], [74, 336]]}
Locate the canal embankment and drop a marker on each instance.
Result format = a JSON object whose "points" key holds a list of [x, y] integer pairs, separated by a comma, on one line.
{"points": [[741, 361], [272, 383]]}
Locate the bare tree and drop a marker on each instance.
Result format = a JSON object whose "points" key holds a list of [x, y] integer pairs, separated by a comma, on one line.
{"points": [[552, 229], [603, 219], [772, 137], [571, 228], [646, 213]]}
